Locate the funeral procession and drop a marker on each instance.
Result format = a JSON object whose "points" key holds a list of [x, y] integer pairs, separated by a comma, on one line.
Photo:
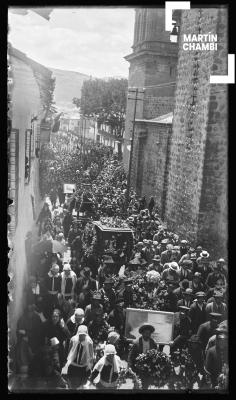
{"points": [[117, 201]]}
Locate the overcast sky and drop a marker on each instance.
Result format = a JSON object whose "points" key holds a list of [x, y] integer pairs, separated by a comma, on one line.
{"points": [[93, 41]]}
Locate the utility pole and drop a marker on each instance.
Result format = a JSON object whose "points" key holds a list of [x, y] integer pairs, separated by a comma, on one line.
{"points": [[136, 91]]}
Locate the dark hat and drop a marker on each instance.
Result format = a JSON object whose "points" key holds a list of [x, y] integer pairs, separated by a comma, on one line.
{"points": [[184, 308], [109, 280], [194, 339], [156, 258], [128, 281], [119, 300], [146, 327], [187, 262], [215, 315], [108, 260]]}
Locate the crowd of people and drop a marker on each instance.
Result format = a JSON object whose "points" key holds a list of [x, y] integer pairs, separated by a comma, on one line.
{"points": [[72, 333]]}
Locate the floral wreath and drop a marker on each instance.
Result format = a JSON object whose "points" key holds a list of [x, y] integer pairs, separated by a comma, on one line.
{"points": [[127, 373]]}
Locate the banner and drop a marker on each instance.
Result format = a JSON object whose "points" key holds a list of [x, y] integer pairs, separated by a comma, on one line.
{"points": [[69, 187], [162, 321]]}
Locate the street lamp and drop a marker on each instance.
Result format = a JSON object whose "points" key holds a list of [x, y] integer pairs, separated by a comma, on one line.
{"points": [[174, 34]]}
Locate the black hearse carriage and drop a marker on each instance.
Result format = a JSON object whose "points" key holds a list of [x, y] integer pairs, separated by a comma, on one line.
{"points": [[110, 239], [99, 239]]}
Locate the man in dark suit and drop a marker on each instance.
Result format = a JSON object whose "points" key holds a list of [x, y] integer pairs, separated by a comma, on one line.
{"points": [[142, 345], [207, 329], [84, 288], [217, 357], [197, 312]]}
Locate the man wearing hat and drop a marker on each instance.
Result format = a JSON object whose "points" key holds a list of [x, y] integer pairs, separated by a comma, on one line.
{"points": [[83, 288], [184, 246], [171, 273], [75, 321], [142, 345], [167, 255], [185, 271], [221, 328], [197, 311], [195, 284], [195, 350], [207, 329], [116, 318], [108, 294], [217, 357], [217, 305], [182, 330], [92, 308], [181, 288], [128, 293], [215, 275], [52, 285], [156, 264], [203, 265], [187, 298], [186, 256], [68, 281], [170, 299]]}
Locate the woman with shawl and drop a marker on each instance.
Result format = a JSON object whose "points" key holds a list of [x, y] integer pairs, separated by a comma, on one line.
{"points": [[80, 358], [108, 367]]}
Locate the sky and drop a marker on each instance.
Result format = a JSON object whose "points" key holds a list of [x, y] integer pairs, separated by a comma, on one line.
{"points": [[92, 41]]}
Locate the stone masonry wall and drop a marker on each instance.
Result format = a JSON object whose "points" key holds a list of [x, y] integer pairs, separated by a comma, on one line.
{"points": [[157, 106], [188, 150], [152, 162], [212, 229]]}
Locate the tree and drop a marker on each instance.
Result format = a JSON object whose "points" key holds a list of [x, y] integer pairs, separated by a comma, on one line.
{"points": [[105, 100]]}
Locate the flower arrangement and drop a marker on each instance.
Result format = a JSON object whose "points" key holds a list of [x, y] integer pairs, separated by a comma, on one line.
{"points": [[127, 373], [111, 222], [89, 239], [176, 371]]}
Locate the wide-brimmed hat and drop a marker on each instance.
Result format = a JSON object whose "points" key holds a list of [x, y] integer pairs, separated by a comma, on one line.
{"points": [[200, 294], [174, 266], [189, 292], [218, 293], [156, 258], [184, 308], [221, 260], [155, 243], [108, 260], [113, 337], [146, 327], [109, 349], [165, 241], [215, 315], [204, 254], [184, 242], [198, 274], [97, 296]]}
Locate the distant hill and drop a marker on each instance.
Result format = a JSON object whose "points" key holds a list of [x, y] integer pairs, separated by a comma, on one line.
{"points": [[68, 85]]}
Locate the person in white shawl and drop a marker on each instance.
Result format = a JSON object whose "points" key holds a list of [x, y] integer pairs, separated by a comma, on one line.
{"points": [[80, 358], [108, 367], [68, 281]]}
